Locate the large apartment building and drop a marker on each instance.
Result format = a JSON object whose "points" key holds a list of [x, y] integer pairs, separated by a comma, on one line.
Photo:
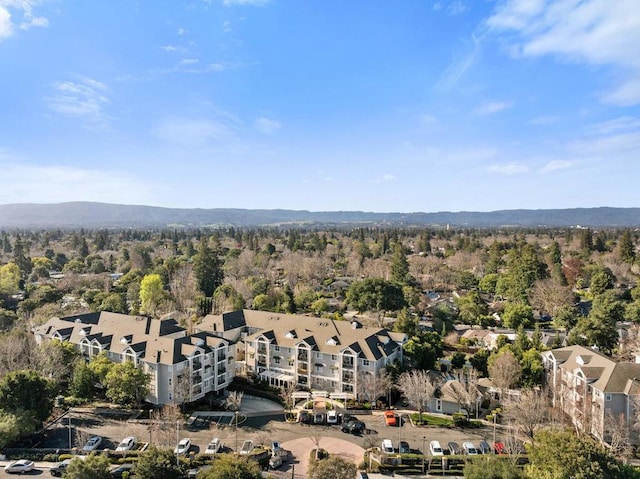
{"points": [[182, 367], [593, 390], [313, 353]]}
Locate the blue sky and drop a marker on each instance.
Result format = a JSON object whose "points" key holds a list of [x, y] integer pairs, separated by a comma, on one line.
{"points": [[374, 105]]}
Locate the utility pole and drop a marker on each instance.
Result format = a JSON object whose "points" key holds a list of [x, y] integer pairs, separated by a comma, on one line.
{"points": [[70, 430], [177, 442]]}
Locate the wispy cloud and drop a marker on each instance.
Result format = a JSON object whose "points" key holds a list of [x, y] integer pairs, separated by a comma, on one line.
{"points": [[255, 3], [594, 32], [386, 178], [192, 131], [267, 125], [509, 169], [624, 123], [34, 183], [84, 97], [460, 64], [456, 7], [543, 120], [557, 165], [23, 9], [492, 107], [320, 176]]}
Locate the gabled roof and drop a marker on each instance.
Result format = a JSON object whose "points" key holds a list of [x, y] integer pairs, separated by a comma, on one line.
{"points": [[602, 372], [155, 341], [326, 335]]}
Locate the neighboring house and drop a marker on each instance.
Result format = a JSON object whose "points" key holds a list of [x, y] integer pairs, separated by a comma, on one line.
{"points": [[592, 389], [182, 367], [312, 353], [456, 393]]}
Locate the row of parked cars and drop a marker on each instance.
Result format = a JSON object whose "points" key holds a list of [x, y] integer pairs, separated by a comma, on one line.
{"points": [[453, 448], [348, 423]]}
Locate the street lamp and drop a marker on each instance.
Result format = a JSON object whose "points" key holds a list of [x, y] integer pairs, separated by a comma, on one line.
{"points": [[177, 442], [236, 417], [70, 430], [424, 440]]}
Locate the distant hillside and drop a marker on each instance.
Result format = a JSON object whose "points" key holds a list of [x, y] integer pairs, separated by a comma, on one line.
{"points": [[104, 215]]}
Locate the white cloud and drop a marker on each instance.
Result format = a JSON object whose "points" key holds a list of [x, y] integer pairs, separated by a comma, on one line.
{"points": [[21, 8], [85, 97], [489, 108], [594, 32], [460, 64], [556, 165], [192, 131], [386, 178], [509, 169], [182, 31], [622, 123], [255, 3], [6, 27], [543, 120], [456, 7], [437, 6], [267, 125], [34, 184]]}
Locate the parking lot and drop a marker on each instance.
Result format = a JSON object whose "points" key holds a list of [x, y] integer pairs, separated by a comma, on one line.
{"points": [[261, 429]]}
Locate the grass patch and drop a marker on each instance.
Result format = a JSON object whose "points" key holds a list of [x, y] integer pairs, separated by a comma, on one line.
{"points": [[429, 420]]}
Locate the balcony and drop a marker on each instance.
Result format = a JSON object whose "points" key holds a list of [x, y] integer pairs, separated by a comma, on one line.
{"points": [[262, 349], [197, 390], [347, 378], [222, 370], [303, 356], [196, 378], [262, 363], [222, 356], [196, 365], [347, 363], [303, 370]]}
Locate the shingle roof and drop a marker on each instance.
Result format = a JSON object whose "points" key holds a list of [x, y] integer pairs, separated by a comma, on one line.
{"points": [[155, 341], [326, 335]]}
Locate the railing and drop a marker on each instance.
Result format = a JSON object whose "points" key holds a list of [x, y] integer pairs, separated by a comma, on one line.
{"points": [[197, 378], [262, 349], [303, 357], [347, 364], [347, 377], [222, 357], [302, 370], [196, 365]]}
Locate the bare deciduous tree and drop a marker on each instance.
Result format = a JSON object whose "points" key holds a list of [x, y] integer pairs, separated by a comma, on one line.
{"points": [[465, 389], [549, 296], [505, 371], [373, 385], [528, 413], [617, 432], [286, 393], [184, 288], [418, 387], [162, 427]]}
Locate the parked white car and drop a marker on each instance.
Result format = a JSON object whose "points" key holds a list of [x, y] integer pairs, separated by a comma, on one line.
{"points": [[126, 444], [183, 446], [435, 448], [332, 417], [214, 446], [19, 467], [469, 448], [92, 444], [247, 447], [387, 446]]}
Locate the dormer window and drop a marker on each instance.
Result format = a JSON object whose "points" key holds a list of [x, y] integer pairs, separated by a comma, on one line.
{"points": [[290, 334], [333, 341]]}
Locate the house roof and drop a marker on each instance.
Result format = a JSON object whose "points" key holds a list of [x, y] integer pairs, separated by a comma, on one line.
{"points": [[321, 334], [152, 340], [602, 372]]}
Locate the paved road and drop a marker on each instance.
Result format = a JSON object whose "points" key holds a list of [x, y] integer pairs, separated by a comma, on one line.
{"points": [[262, 430]]}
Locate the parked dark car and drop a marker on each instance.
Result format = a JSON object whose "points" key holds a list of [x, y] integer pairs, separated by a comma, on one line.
{"points": [[354, 427], [304, 417], [484, 448], [318, 418], [454, 448], [59, 468], [119, 471], [404, 447]]}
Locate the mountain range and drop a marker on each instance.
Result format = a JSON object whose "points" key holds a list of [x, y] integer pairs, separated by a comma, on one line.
{"points": [[106, 215]]}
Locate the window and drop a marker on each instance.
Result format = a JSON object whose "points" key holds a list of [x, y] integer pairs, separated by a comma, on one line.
{"points": [[438, 404], [277, 348], [290, 362], [365, 362], [607, 397], [318, 355], [276, 359], [319, 368], [334, 357]]}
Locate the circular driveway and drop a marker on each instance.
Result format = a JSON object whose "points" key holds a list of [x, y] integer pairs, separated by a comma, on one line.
{"points": [[301, 449]]}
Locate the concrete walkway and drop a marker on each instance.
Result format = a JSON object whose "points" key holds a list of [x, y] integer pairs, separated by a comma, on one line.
{"points": [[301, 449]]}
